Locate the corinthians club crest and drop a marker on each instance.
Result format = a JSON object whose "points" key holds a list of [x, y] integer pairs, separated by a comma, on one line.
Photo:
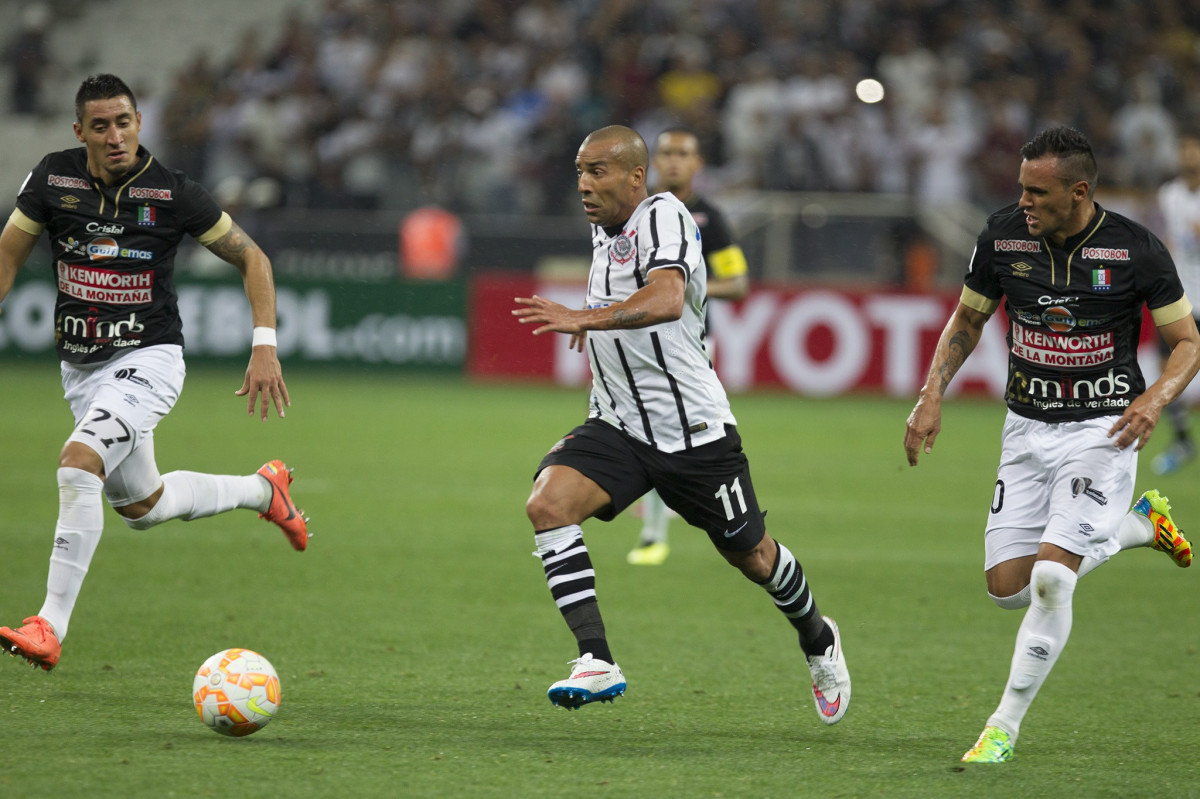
{"points": [[622, 248]]}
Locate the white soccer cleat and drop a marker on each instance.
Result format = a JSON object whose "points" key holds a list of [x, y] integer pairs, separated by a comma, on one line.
{"points": [[591, 680], [830, 679]]}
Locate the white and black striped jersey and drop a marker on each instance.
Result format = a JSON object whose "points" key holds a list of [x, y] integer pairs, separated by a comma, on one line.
{"points": [[655, 383], [1180, 206]]}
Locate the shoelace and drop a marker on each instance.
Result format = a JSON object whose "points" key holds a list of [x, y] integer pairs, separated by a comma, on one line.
{"points": [[579, 662], [824, 675]]}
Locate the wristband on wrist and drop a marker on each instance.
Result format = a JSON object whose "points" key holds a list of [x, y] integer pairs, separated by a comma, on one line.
{"points": [[263, 337]]}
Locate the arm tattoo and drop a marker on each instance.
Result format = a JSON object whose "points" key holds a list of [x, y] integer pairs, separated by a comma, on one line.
{"points": [[623, 318], [958, 348], [232, 247]]}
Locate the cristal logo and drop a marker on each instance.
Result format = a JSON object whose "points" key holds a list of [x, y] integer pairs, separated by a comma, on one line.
{"points": [[100, 227], [102, 249]]}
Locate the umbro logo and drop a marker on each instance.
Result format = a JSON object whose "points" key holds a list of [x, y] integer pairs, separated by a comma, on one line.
{"points": [[1039, 652], [61, 543], [70, 202]]}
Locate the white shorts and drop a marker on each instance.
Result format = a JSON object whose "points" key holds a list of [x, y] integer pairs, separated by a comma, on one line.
{"points": [[136, 390], [1064, 483]]}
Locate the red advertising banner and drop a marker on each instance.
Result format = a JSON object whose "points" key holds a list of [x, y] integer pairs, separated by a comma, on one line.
{"points": [[813, 341]]}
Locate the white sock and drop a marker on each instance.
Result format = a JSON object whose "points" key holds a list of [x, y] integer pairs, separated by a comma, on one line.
{"points": [[1042, 636], [1135, 530], [193, 495], [76, 536], [655, 518], [1015, 602]]}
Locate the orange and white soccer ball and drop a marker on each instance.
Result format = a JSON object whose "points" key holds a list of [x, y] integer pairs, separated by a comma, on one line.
{"points": [[236, 692]]}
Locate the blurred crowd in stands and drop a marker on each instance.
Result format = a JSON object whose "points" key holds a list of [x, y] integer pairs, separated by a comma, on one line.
{"points": [[479, 105]]}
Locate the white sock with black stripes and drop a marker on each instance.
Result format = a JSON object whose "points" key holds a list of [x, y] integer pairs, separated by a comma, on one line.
{"points": [[572, 582], [789, 588]]}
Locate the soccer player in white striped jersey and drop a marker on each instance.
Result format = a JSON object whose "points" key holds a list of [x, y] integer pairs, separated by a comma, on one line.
{"points": [[1179, 203], [658, 418]]}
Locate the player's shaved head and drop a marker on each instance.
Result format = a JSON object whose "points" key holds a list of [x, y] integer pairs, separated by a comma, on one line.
{"points": [[611, 164], [625, 145]]}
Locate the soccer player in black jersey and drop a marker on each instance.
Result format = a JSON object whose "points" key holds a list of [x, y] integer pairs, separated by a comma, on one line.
{"points": [[114, 217], [1074, 278], [677, 160]]}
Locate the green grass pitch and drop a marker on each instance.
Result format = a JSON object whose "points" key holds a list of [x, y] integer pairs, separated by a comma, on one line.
{"points": [[416, 637]]}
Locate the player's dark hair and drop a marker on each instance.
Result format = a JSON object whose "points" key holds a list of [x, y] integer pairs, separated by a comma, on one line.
{"points": [[1071, 148], [682, 130], [101, 87]]}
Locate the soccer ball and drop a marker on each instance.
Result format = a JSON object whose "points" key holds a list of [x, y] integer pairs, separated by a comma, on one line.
{"points": [[236, 692]]}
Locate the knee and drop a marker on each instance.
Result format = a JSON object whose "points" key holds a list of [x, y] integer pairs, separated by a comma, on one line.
{"points": [[142, 522], [1053, 583], [80, 456], [542, 512], [1014, 601], [756, 564]]}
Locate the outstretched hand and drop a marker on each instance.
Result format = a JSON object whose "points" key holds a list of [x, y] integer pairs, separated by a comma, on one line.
{"points": [[551, 317], [264, 376]]}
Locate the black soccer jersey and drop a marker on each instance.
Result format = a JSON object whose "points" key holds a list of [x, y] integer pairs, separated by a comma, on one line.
{"points": [[1075, 313], [113, 250], [715, 234]]}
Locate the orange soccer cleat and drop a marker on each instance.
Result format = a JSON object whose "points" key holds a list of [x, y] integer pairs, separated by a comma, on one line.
{"points": [[35, 641], [282, 511]]}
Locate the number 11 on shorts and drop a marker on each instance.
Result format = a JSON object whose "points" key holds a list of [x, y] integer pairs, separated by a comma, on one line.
{"points": [[723, 495]]}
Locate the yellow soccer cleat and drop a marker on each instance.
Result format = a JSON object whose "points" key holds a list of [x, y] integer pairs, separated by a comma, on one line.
{"points": [[1167, 537], [649, 555], [994, 746]]}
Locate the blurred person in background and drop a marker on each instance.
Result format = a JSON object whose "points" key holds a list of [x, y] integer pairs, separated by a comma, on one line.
{"points": [[658, 418], [677, 161], [29, 59], [1179, 203], [115, 216], [1079, 407]]}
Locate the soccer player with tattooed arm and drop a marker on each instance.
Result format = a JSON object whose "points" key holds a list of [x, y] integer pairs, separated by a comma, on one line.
{"points": [[1074, 278], [114, 217], [658, 419]]}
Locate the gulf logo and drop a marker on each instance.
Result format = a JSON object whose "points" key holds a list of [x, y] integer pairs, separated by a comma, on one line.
{"points": [[1058, 319], [102, 249]]}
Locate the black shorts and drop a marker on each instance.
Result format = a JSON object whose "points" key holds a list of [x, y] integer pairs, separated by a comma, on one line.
{"points": [[709, 486]]}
